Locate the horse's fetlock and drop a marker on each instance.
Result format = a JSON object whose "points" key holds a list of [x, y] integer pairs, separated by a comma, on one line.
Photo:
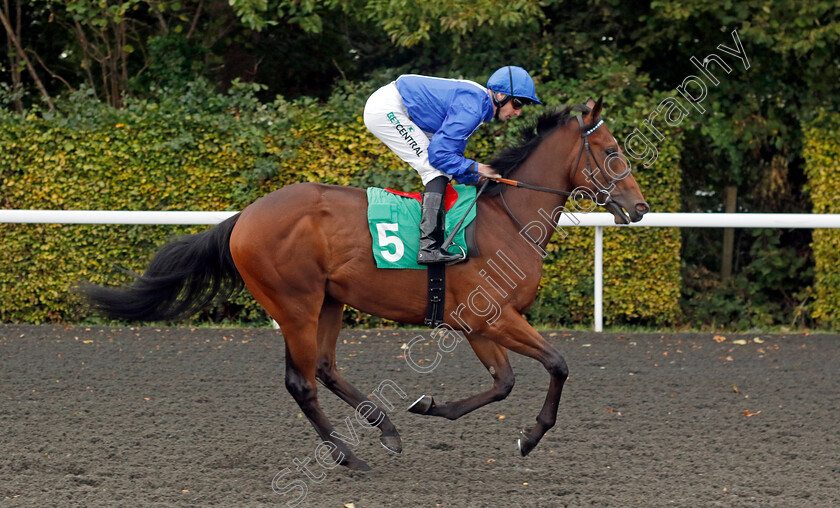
{"points": [[546, 423]]}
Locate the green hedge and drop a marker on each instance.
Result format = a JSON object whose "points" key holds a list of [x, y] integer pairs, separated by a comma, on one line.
{"points": [[190, 151], [822, 152], [200, 150], [194, 149]]}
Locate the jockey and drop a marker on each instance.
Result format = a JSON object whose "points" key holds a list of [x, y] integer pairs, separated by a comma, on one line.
{"points": [[427, 121]]}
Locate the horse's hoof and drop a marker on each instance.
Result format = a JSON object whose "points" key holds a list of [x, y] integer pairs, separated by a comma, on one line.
{"points": [[356, 465], [392, 443], [422, 405], [526, 443]]}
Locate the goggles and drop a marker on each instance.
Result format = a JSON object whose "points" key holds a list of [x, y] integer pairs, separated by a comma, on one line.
{"points": [[518, 102]]}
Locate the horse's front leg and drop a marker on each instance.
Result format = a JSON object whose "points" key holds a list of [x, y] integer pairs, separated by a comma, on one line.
{"points": [[514, 333], [495, 359]]}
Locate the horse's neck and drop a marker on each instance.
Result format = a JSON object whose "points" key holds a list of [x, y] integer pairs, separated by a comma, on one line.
{"points": [[548, 166]]}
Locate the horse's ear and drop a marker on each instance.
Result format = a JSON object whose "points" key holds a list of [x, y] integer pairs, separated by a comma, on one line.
{"points": [[590, 103], [596, 109]]}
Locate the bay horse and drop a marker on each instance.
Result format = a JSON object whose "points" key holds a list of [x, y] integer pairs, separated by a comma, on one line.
{"points": [[302, 253]]}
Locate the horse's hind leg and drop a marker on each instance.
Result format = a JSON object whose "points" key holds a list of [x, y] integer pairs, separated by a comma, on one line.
{"points": [[329, 325], [297, 313], [301, 361], [282, 264], [495, 359]]}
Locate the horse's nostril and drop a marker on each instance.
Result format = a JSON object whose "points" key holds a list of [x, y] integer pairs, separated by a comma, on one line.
{"points": [[642, 208]]}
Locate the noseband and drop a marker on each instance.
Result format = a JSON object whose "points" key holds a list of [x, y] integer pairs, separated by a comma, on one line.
{"points": [[585, 147]]}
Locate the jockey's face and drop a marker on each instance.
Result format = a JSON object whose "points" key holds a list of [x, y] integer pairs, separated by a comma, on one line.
{"points": [[509, 110]]}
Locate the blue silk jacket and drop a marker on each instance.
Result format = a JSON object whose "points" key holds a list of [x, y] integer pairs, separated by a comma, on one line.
{"points": [[452, 109]]}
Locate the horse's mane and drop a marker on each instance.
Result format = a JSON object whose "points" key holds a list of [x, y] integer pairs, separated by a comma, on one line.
{"points": [[508, 159]]}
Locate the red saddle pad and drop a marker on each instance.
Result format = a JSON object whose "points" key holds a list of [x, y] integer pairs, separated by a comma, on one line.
{"points": [[448, 200]]}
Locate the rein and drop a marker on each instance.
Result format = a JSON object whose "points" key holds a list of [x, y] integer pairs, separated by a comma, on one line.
{"points": [[516, 183], [584, 147]]}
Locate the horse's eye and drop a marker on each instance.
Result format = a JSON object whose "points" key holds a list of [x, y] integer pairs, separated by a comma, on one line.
{"points": [[611, 151]]}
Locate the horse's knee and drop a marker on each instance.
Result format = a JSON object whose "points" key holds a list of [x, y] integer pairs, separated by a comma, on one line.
{"points": [[557, 368]]}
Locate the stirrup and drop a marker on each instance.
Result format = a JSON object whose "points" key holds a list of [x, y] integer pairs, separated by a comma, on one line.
{"points": [[460, 259], [436, 255]]}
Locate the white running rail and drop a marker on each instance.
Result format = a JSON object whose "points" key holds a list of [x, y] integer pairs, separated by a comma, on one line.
{"points": [[597, 220]]}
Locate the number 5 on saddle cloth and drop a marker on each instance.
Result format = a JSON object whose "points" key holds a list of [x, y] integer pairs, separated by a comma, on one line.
{"points": [[394, 223]]}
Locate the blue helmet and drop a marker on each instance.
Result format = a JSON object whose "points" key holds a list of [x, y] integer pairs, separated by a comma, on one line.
{"points": [[514, 81]]}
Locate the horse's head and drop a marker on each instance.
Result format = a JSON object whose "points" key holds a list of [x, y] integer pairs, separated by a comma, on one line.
{"points": [[602, 170]]}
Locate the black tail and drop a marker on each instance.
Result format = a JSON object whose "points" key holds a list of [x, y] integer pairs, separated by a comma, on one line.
{"points": [[184, 277]]}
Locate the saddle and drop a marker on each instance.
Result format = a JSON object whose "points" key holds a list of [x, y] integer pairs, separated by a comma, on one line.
{"points": [[394, 220], [448, 200], [394, 224]]}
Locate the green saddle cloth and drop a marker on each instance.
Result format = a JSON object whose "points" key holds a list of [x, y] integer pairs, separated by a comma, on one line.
{"points": [[394, 223]]}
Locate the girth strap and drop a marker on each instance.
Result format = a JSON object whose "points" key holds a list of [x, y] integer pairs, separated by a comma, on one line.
{"points": [[437, 295]]}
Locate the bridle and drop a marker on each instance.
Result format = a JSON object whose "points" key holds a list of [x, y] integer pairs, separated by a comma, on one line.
{"points": [[585, 147]]}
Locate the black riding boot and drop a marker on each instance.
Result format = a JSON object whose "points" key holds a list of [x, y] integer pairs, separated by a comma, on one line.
{"points": [[432, 231]]}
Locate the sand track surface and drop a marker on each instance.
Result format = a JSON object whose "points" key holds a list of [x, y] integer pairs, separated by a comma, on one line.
{"points": [[100, 416]]}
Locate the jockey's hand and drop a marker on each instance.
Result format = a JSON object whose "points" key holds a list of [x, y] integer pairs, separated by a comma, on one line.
{"points": [[487, 172]]}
